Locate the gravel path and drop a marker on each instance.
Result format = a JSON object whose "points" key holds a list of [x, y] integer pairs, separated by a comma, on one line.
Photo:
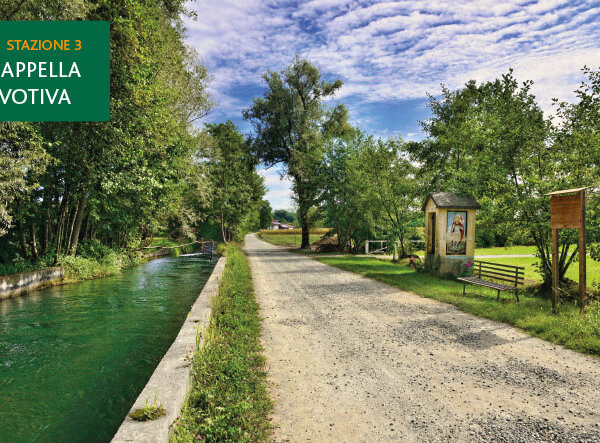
{"points": [[352, 359]]}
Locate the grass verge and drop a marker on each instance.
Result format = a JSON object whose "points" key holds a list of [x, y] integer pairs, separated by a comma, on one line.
{"points": [[533, 314], [229, 400]]}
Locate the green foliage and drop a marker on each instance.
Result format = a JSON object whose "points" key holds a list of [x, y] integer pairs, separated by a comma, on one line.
{"points": [[221, 249], [344, 195], [115, 182], [533, 314], [285, 216], [228, 400], [291, 124], [79, 268], [236, 188], [265, 215], [368, 189]]}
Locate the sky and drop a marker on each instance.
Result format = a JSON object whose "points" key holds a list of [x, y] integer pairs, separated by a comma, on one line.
{"points": [[390, 55]]}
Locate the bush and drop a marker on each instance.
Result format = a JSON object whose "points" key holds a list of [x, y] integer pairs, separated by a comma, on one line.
{"points": [[93, 249], [221, 249], [82, 268]]}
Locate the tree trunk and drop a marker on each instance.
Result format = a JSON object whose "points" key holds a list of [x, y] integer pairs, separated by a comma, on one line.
{"points": [[46, 202], [223, 235], [305, 231], [61, 222], [77, 228], [22, 238], [34, 249], [85, 228], [70, 227]]}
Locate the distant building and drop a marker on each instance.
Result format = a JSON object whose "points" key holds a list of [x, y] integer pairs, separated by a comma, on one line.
{"points": [[276, 224]]}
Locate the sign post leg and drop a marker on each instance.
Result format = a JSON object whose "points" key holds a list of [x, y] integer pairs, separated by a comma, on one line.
{"points": [[554, 270], [582, 256]]}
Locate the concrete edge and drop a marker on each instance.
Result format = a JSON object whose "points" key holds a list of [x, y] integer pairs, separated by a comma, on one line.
{"points": [[170, 381], [20, 284]]}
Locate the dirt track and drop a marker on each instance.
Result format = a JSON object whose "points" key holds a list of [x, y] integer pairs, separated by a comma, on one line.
{"points": [[352, 359]]}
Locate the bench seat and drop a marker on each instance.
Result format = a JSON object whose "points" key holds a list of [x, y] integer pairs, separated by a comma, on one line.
{"points": [[495, 271], [488, 284]]}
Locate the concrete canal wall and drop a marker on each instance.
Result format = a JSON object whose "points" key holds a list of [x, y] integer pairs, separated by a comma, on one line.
{"points": [[12, 285], [170, 383]]}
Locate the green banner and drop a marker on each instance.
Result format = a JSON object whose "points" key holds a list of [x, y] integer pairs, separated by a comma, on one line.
{"points": [[54, 71]]}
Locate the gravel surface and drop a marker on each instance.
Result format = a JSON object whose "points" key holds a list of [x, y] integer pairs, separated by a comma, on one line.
{"points": [[352, 359]]}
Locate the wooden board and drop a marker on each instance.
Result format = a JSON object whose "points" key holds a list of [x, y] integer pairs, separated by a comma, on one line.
{"points": [[565, 211]]}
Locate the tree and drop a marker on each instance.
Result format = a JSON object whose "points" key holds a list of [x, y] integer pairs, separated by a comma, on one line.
{"points": [[491, 140], [392, 190], [266, 215], [291, 124], [237, 189], [285, 216], [577, 135], [343, 196]]}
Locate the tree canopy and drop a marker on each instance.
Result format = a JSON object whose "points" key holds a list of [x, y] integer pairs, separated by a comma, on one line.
{"points": [[291, 124]]}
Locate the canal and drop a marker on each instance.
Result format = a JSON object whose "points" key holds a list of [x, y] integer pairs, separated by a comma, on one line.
{"points": [[74, 358]]}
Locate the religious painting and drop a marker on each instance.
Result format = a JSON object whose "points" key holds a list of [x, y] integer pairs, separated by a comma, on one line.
{"points": [[456, 233]]}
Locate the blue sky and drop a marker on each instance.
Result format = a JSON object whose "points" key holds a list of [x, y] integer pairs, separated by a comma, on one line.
{"points": [[391, 54]]}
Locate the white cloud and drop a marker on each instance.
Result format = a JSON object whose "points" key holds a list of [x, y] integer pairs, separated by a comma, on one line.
{"points": [[390, 51], [279, 192]]}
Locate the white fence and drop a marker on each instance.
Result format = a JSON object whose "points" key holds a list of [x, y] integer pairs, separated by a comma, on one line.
{"points": [[382, 245]]}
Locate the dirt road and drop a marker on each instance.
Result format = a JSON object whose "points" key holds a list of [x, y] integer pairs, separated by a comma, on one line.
{"points": [[352, 359]]}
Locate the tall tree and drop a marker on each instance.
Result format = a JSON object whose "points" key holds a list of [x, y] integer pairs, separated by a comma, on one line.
{"points": [[291, 124], [344, 195], [237, 189], [392, 190], [577, 136]]}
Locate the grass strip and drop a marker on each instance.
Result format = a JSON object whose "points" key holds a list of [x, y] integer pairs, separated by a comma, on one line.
{"points": [[229, 400], [533, 314]]}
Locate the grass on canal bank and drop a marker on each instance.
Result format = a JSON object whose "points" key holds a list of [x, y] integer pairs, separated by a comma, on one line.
{"points": [[228, 400], [533, 314]]}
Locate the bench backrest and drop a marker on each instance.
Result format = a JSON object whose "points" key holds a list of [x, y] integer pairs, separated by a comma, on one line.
{"points": [[497, 271]]}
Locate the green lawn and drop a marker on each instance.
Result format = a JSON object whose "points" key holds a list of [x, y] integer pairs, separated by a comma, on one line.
{"points": [[288, 239], [534, 315], [501, 250], [531, 273], [508, 250]]}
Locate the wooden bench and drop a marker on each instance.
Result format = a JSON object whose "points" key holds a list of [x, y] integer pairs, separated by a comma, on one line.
{"points": [[483, 272]]}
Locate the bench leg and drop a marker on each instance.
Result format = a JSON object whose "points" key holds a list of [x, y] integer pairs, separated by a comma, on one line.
{"points": [[498, 297], [464, 284], [517, 295]]}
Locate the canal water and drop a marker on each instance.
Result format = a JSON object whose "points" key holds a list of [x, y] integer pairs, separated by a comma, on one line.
{"points": [[74, 358]]}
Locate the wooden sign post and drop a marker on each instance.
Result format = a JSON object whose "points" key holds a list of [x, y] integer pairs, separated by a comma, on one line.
{"points": [[567, 210]]}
